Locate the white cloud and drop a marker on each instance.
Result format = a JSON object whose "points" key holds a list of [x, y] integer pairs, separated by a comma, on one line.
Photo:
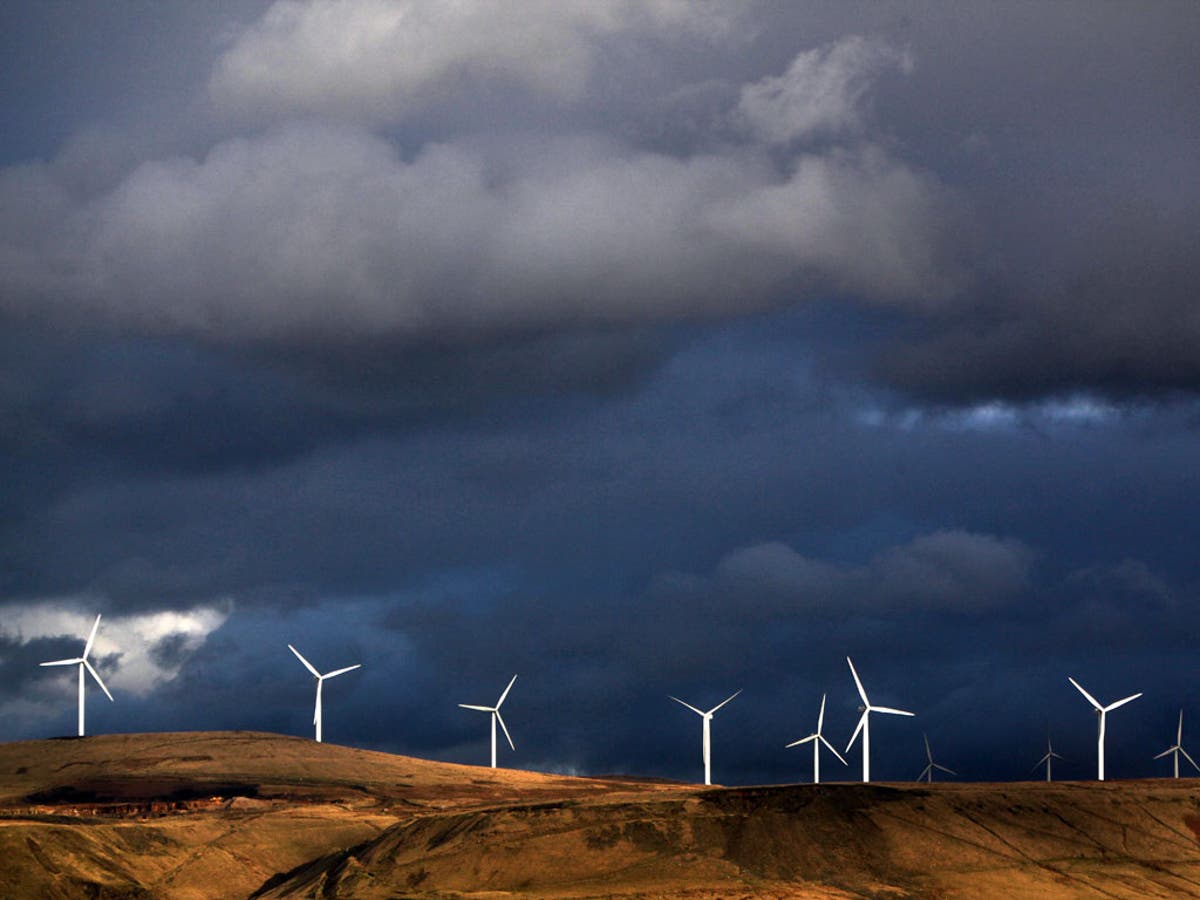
{"points": [[134, 639], [821, 93], [380, 59]]}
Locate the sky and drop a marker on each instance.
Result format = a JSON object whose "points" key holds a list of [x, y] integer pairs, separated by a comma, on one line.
{"points": [[635, 348]]}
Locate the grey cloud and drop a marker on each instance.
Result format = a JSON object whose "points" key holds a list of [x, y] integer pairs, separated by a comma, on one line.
{"points": [[954, 570], [951, 571], [320, 233], [821, 93], [382, 59]]}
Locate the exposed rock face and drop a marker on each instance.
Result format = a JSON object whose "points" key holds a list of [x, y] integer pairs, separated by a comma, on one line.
{"points": [[236, 814]]}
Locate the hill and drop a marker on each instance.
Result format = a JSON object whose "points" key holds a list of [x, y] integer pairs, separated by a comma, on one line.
{"points": [[234, 814]]}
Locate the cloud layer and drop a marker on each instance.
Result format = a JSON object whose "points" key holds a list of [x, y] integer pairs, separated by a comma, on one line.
{"points": [[316, 232]]}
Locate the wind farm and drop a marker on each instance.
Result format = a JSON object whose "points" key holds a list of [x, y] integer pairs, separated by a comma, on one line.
{"points": [[350, 821]]}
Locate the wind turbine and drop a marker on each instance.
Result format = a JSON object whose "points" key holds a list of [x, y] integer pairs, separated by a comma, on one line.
{"points": [[320, 683], [1103, 712], [1050, 755], [1177, 748], [817, 739], [864, 723], [496, 717], [707, 717], [927, 773], [82, 662]]}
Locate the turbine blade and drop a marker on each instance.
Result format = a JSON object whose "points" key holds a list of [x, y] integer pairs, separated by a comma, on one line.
{"points": [[99, 681], [1188, 757], [811, 737], [307, 664], [500, 702], [862, 693], [1179, 733], [892, 712], [723, 702], [1165, 752], [1038, 764], [500, 719], [1057, 755], [928, 752], [1122, 702], [926, 772], [64, 662], [342, 671], [87, 648], [944, 769], [821, 737], [1090, 699], [688, 705], [861, 720], [480, 708], [821, 715]]}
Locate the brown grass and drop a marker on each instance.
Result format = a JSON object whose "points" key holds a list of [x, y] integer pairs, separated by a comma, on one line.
{"points": [[234, 814]]}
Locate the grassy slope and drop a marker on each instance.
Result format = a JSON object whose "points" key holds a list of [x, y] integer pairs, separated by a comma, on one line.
{"points": [[231, 814]]}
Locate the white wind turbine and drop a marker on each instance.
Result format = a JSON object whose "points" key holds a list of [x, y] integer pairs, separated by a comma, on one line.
{"points": [[1048, 758], [707, 717], [1103, 712], [1177, 748], [817, 739], [864, 723], [927, 773], [496, 717], [321, 683], [82, 662]]}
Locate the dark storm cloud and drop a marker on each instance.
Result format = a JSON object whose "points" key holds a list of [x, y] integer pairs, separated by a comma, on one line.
{"points": [[1122, 322], [825, 168]]}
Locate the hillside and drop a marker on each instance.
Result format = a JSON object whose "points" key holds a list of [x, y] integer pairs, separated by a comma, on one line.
{"points": [[242, 814]]}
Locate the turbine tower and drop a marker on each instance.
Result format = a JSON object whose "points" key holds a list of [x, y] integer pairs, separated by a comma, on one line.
{"points": [[707, 717], [82, 662], [1050, 755], [817, 739], [1103, 712], [496, 717], [927, 773], [320, 683], [864, 723], [1177, 748]]}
